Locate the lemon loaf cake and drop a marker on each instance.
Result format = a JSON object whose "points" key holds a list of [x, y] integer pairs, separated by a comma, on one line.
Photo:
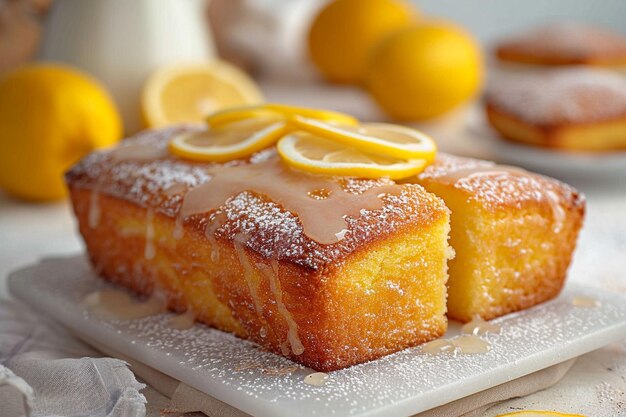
{"points": [[328, 271], [513, 232], [309, 248], [574, 110]]}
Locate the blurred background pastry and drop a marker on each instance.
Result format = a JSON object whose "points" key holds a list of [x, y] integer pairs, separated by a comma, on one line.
{"points": [[564, 43], [581, 109]]}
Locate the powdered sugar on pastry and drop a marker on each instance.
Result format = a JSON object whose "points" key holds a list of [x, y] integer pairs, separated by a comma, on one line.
{"points": [[565, 42], [572, 96]]}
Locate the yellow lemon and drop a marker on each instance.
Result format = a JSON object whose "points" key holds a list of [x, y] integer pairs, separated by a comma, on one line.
{"points": [[50, 117], [188, 93], [317, 155], [344, 32], [425, 71]]}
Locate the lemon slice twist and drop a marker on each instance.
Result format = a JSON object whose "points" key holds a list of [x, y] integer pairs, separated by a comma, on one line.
{"points": [[311, 140], [380, 138], [311, 153], [239, 140], [272, 111]]}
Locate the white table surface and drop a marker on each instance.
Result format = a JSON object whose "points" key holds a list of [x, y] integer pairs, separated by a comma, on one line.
{"points": [[30, 231]]}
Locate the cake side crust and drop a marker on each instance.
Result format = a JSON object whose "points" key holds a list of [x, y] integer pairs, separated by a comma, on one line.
{"points": [[216, 279], [604, 136]]}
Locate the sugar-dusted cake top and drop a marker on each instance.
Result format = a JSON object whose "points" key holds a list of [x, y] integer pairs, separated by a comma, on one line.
{"points": [[277, 212], [566, 43], [498, 186], [572, 96]]}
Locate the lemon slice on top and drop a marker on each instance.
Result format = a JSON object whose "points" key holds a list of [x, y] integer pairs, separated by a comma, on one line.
{"points": [[235, 141], [538, 414], [272, 111], [317, 155], [380, 138]]}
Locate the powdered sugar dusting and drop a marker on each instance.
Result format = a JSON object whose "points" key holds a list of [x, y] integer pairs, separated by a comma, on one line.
{"points": [[500, 186], [567, 41], [575, 96]]}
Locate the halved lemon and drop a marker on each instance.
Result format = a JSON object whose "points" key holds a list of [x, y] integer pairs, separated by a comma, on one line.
{"points": [[279, 112], [380, 138], [187, 93], [236, 141], [534, 413], [311, 153]]}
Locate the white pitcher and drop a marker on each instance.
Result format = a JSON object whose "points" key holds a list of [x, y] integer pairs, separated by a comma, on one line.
{"points": [[121, 42]]}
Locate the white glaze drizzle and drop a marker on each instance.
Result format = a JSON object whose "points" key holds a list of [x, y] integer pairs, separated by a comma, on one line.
{"points": [[183, 321], [581, 301], [93, 217], [479, 327], [248, 271], [465, 345], [273, 277], [317, 379], [149, 250], [118, 304]]}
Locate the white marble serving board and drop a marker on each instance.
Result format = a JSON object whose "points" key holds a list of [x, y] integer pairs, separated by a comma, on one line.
{"points": [[262, 384]]}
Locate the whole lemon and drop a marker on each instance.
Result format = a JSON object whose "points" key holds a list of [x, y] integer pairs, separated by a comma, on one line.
{"points": [[50, 117], [425, 71], [344, 32]]}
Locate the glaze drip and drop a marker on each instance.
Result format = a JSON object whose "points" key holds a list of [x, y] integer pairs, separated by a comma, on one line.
{"points": [[94, 209], [183, 321], [479, 327], [585, 302], [466, 345], [317, 379], [273, 277], [149, 251], [119, 305]]}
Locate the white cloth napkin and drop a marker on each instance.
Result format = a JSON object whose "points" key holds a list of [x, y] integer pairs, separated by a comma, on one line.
{"points": [[45, 372]]}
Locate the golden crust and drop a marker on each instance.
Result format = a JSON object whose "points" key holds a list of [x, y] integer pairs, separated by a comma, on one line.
{"points": [[564, 44], [345, 313], [607, 136]]}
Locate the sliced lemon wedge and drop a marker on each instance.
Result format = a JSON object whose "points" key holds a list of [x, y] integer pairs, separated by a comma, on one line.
{"points": [[187, 93], [235, 141], [534, 413], [311, 153], [380, 138], [277, 112]]}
